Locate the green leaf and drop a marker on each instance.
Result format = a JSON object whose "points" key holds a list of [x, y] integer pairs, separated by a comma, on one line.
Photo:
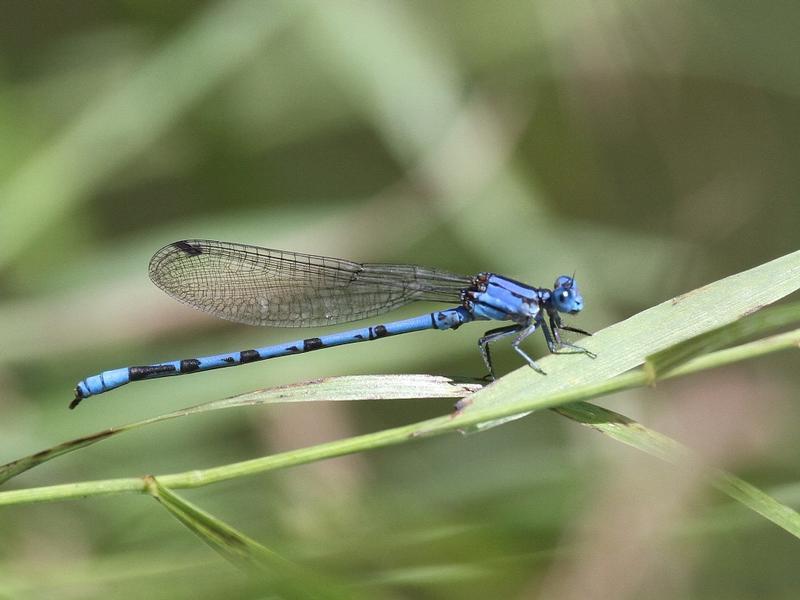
{"points": [[336, 389], [615, 425], [765, 321], [634, 434], [280, 574], [571, 378]]}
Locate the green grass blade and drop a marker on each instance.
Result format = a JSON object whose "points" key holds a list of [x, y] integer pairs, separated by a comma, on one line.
{"points": [[387, 387], [329, 389], [620, 347], [764, 321], [655, 444], [635, 434], [397, 435], [280, 574], [231, 544], [434, 426]]}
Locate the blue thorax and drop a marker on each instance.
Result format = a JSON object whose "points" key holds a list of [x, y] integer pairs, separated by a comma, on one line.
{"points": [[500, 298]]}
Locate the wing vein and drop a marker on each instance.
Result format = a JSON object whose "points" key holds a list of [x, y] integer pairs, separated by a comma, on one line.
{"points": [[261, 286]]}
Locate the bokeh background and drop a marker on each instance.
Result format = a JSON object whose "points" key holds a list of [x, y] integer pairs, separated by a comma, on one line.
{"points": [[651, 147]]}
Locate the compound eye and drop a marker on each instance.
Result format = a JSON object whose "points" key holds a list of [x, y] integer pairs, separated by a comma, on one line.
{"points": [[564, 296], [562, 281]]}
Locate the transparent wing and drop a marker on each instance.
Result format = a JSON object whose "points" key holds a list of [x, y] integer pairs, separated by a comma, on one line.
{"points": [[259, 286]]}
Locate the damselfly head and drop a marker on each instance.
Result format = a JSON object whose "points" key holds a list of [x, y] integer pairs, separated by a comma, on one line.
{"points": [[566, 298]]}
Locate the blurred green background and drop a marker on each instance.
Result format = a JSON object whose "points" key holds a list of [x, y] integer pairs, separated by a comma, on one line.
{"points": [[651, 147]]}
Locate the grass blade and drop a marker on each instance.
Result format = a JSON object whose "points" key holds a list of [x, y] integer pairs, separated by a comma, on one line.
{"points": [[337, 389], [620, 347], [631, 433], [654, 444], [764, 321], [282, 575]]}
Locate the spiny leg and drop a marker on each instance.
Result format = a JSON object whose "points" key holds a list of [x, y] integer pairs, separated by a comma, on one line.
{"points": [[521, 337], [490, 336], [573, 329], [556, 346], [552, 338]]}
